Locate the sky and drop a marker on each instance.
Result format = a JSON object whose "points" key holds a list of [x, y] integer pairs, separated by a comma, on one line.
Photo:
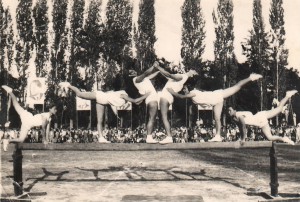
{"points": [[168, 26]]}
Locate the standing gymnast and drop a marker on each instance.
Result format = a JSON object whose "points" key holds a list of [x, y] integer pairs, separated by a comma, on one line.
{"points": [[260, 119], [113, 98], [144, 85], [175, 82], [29, 121], [214, 99]]}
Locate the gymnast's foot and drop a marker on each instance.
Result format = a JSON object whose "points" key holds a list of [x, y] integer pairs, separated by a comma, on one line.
{"points": [[290, 93], [103, 140], [255, 76], [7, 88], [217, 138], [5, 144], [150, 140], [288, 140], [167, 140]]}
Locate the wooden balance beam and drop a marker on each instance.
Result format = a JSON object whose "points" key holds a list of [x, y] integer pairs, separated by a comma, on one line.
{"points": [[17, 157]]}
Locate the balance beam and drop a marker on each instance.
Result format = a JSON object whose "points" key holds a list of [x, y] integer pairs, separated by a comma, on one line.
{"points": [[142, 146], [17, 155]]}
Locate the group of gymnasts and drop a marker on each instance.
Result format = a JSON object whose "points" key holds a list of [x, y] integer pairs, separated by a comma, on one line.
{"points": [[176, 82]]}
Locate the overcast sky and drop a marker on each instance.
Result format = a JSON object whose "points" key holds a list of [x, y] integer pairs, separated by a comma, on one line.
{"points": [[169, 23]]}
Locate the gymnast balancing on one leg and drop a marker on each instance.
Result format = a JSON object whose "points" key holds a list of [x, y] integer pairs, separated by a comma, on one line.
{"points": [[214, 99], [260, 119], [113, 98], [144, 85], [175, 82], [28, 120]]}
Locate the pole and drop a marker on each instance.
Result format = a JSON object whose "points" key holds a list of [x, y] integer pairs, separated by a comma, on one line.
{"points": [[273, 170], [17, 170], [277, 81]]}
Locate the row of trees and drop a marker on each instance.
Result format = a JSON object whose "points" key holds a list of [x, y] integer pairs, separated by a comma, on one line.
{"points": [[90, 51]]}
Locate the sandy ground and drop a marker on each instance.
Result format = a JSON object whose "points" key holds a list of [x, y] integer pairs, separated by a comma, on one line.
{"points": [[202, 175]]}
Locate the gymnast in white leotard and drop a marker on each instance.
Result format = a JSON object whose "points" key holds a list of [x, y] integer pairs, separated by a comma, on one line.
{"points": [[113, 98], [214, 99], [260, 119]]}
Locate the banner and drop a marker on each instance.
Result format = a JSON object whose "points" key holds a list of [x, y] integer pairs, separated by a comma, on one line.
{"points": [[82, 104], [36, 89], [205, 107], [126, 106]]}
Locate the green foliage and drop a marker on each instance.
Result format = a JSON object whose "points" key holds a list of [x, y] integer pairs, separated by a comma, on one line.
{"points": [[145, 34], [193, 35]]}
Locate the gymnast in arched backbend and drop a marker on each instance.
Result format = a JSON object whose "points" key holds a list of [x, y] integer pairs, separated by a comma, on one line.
{"points": [[175, 82], [260, 119], [29, 120], [144, 85], [214, 99], [113, 98]]}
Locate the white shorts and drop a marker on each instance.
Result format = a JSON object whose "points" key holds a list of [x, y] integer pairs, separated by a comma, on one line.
{"points": [[166, 95]]}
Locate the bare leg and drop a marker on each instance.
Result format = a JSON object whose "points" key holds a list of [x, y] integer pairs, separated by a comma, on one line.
{"points": [[217, 115], [267, 132], [272, 113], [164, 107], [84, 95], [16, 104], [100, 117], [234, 89], [152, 106]]}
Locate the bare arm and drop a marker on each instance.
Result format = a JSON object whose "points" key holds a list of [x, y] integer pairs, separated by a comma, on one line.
{"points": [[144, 75], [136, 100], [151, 76], [190, 95], [169, 75]]}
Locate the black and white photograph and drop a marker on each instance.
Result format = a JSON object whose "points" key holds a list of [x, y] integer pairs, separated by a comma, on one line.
{"points": [[150, 100]]}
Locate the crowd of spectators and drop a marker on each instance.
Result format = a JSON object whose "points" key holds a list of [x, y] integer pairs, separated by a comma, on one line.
{"points": [[198, 133]]}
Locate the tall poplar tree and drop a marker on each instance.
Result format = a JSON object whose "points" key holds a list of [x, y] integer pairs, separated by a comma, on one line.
{"points": [[145, 34], [25, 42], [256, 50], [193, 34], [223, 45], [279, 54], [41, 38]]}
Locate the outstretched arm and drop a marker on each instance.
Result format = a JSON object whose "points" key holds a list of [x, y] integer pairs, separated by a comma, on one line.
{"points": [[151, 76], [146, 73], [136, 100], [189, 95], [176, 77]]}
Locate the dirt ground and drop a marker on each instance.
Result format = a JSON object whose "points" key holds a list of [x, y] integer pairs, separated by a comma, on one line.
{"points": [[186, 175]]}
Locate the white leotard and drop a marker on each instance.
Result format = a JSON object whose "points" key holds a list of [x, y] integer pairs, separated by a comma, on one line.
{"points": [[145, 86], [259, 119]]}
